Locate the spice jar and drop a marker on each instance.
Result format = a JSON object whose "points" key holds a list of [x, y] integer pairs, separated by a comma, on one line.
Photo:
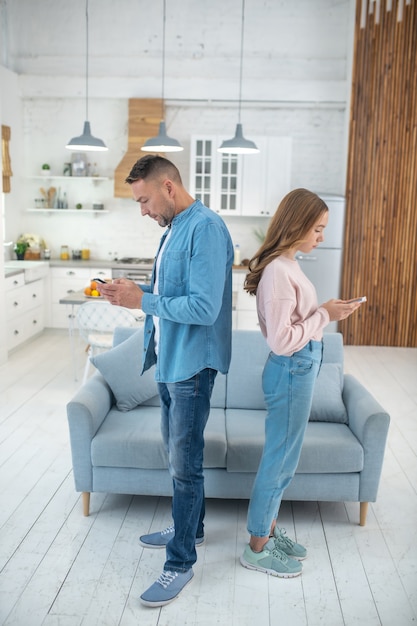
{"points": [[64, 253]]}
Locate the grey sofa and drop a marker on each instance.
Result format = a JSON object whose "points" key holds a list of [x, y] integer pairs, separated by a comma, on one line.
{"points": [[114, 426]]}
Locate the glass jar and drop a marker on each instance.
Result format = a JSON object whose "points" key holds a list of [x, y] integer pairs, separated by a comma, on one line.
{"points": [[79, 164], [64, 253]]}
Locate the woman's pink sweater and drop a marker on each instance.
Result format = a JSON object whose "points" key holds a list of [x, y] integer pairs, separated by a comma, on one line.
{"points": [[288, 311]]}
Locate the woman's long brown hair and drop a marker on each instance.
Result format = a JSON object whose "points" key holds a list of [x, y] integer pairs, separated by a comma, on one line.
{"points": [[295, 216]]}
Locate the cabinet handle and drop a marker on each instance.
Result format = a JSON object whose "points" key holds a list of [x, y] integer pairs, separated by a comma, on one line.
{"points": [[16, 332], [70, 290], [15, 282], [70, 273], [34, 295], [34, 322], [15, 304]]}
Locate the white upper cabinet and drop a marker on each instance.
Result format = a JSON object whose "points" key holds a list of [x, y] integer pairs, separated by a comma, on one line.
{"points": [[243, 185]]}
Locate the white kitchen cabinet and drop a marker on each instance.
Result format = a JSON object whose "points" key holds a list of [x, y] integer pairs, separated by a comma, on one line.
{"points": [[25, 308], [86, 190], [245, 316], [67, 280], [265, 181], [214, 177], [241, 185]]}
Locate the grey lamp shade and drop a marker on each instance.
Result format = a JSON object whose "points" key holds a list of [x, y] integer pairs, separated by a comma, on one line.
{"points": [[238, 145], [162, 143], [86, 141]]}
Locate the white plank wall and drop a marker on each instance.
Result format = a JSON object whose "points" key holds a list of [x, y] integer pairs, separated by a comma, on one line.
{"points": [[60, 568]]}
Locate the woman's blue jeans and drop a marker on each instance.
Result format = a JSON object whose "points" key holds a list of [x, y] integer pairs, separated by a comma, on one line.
{"points": [[288, 385], [185, 410]]}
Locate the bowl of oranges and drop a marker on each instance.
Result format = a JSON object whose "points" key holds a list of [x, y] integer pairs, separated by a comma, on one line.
{"points": [[91, 290]]}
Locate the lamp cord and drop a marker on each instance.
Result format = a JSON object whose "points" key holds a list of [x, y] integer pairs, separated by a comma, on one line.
{"points": [[86, 60], [163, 57], [241, 57]]}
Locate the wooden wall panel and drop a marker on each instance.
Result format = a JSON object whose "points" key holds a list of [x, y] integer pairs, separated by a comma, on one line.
{"points": [[381, 192], [143, 123]]}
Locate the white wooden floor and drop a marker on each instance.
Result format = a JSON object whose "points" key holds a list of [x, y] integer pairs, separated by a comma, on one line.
{"points": [[60, 568]]}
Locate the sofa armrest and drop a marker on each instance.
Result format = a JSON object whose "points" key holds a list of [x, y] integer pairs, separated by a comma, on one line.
{"points": [[369, 423], [86, 412]]}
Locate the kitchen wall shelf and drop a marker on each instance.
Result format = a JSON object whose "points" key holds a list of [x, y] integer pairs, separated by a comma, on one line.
{"points": [[48, 194], [63, 211], [51, 177]]}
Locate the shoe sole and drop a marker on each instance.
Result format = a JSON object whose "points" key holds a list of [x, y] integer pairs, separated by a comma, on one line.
{"points": [[154, 546], [271, 572], [165, 602]]}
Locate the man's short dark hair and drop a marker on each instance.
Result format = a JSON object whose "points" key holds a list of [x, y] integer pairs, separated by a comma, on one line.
{"points": [[153, 166]]}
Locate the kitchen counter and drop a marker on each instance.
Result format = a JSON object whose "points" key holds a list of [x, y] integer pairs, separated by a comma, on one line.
{"points": [[91, 263], [81, 263], [10, 271], [94, 263], [33, 270]]}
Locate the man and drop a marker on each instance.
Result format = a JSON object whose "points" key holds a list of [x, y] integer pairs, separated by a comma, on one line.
{"points": [[187, 335]]}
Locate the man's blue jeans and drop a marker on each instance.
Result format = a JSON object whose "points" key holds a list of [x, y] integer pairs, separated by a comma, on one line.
{"points": [[288, 386], [185, 410]]}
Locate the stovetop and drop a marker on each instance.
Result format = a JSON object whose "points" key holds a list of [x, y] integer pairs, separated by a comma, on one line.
{"points": [[128, 260]]}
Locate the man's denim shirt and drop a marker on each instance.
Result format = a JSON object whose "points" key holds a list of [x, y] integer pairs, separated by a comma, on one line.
{"points": [[194, 304]]}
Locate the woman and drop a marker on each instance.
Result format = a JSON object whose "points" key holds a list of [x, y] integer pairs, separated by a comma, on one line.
{"points": [[292, 324]]}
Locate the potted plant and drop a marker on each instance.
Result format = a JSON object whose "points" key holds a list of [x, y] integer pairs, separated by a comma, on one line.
{"points": [[29, 246], [46, 170], [20, 248]]}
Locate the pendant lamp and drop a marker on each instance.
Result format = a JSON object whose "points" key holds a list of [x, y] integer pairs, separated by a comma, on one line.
{"points": [[239, 145], [86, 141], [162, 143]]}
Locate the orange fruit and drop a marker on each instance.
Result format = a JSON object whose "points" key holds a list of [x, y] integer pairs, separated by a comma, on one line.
{"points": [[87, 291], [93, 284]]}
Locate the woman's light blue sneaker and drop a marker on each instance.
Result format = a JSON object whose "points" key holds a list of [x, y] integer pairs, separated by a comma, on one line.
{"points": [[168, 587], [161, 538], [271, 561], [287, 545]]}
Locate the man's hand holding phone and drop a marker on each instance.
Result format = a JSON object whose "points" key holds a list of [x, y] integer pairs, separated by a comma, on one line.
{"points": [[121, 292]]}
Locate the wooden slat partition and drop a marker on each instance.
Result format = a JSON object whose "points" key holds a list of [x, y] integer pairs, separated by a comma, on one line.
{"points": [[380, 259]]}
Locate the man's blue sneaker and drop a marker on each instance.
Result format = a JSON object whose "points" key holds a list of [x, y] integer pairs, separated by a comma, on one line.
{"points": [[287, 545], [168, 587], [161, 538]]}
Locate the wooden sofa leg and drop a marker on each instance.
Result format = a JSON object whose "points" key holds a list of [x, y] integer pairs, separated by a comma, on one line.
{"points": [[86, 503], [363, 513]]}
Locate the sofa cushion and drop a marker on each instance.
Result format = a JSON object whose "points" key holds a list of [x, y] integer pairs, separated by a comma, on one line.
{"points": [[244, 380], [218, 398], [121, 367], [333, 348], [327, 447], [133, 439], [130, 439], [328, 405]]}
